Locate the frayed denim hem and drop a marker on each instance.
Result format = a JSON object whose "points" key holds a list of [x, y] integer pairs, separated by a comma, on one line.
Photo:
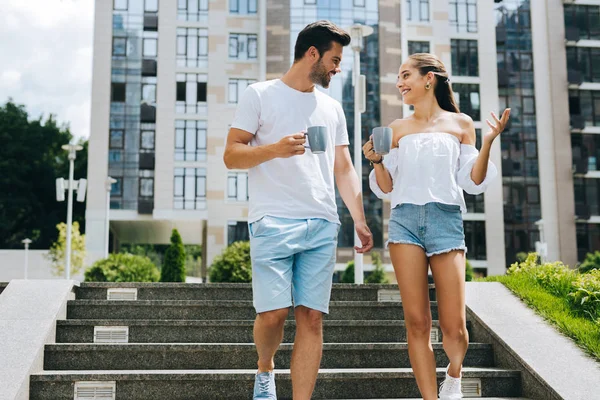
{"points": [[436, 253]]}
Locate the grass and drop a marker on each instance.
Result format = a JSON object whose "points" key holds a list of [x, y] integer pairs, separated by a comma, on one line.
{"points": [[556, 310]]}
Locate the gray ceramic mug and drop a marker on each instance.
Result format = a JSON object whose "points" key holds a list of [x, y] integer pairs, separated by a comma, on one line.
{"points": [[317, 139], [382, 139]]}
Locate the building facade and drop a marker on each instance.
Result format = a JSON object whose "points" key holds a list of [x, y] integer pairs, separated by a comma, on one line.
{"points": [[168, 73]]}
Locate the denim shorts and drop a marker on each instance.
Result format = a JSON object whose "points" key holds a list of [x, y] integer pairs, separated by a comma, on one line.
{"points": [[292, 262], [435, 227]]}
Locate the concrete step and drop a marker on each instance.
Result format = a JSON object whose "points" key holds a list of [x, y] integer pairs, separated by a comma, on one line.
{"points": [[237, 384], [194, 331], [228, 356], [3, 286], [223, 310], [227, 291]]}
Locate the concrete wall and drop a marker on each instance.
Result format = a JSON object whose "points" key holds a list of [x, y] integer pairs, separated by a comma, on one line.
{"points": [[12, 266]]}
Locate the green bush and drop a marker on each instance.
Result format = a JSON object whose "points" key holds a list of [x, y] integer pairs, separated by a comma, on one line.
{"points": [[585, 295], [378, 274], [555, 277], [173, 269], [468, 271], [591, 262], [233, 265], [123, 268], [348, 275]]}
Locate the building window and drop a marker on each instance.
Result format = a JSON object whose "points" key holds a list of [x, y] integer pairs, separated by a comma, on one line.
{"points": [[237, 231], [587, 192], [116, 189], [119, 47], [465, 59], [117, 139], [192, 10], [242, 7], [417, 10], [237, 87], [151, 6], [588, 239], [242, 46], [585, 60], [150, 47], [475, 203], [360, 3], [467, 97], [237, 186], [149, 92], [584, 18], [117, 92], [192, 47], [586, 150], [463, 15], [190, 189], [190, 140], [146, 187], [475, 239], [120, 5], [585, 103], [191, 94], [310, 2], [147, 136], [415, 47]]}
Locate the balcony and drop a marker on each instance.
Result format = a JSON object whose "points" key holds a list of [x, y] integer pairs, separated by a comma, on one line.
{"points": [[145, 206], [581, 166], [151, 22], [147, 160], [575, 77], [149, 68], [577, 122], [572, 34], [147, 113], [582, 211]]}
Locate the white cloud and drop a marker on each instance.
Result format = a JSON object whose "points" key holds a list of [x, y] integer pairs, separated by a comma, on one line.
{"points": [[46, 50]]}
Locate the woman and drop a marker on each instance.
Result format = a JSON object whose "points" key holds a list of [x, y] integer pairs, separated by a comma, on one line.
{"points": [[433, 159]]}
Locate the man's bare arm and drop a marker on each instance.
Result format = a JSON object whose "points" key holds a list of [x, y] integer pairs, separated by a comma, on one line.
{"points": [[239, 155]]}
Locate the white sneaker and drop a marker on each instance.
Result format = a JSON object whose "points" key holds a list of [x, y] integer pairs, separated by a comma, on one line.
{"points": [[450, 389]]}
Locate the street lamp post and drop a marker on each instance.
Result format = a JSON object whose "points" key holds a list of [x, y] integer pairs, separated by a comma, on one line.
{"points": [[109, 182], [358, 32], [26, 242], [72, 149]]}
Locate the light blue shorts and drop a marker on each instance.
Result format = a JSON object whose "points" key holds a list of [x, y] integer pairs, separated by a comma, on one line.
{"points": [[292, 259], [435, 227]]}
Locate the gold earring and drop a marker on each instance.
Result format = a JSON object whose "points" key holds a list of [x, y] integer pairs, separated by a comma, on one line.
{"points": [[428, 86]]}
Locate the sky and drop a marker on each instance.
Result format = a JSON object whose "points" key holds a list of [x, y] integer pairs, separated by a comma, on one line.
{"points": [[46, 49]]}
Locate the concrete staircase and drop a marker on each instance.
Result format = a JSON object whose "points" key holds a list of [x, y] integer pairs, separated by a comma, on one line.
{"points": [[194, 341]]}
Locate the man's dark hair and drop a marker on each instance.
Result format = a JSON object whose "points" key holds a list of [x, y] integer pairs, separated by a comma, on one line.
{"points": [[320, 34]]}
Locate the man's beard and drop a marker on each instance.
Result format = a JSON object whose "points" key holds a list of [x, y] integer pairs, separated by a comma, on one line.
{"points": [[319, 75]]}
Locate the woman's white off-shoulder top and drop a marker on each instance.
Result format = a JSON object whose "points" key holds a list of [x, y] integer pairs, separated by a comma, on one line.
{"points": [[431, 167]]}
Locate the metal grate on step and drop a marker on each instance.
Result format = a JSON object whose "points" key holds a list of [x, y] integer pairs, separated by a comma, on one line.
{"points": [[388, 295], [111, 334], [121, 294], [95, 390], [435, 335], [471, 387]]}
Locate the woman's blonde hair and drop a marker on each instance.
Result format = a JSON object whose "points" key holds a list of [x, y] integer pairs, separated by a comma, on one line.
{"points": [[426, 62]]}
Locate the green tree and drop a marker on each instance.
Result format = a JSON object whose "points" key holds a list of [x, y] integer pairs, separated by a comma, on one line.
{"points": [[31, 159], [348, 275], [468, 271], [233, 265], [123, 267], [58, 251], [591, 262], [378, 274], [173, 268]]}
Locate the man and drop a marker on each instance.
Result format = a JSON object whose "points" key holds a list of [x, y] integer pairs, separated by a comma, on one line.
{"points": [[293, 220]]}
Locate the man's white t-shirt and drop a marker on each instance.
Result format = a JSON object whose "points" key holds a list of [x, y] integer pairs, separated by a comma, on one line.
{"points": [[301, 186]]}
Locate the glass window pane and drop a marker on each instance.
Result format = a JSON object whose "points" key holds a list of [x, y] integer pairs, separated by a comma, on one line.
{"points": [[150, 48], [119, 46], [116, 139], [151, 5], [148, 140], [149, 92], [120, 4]]}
